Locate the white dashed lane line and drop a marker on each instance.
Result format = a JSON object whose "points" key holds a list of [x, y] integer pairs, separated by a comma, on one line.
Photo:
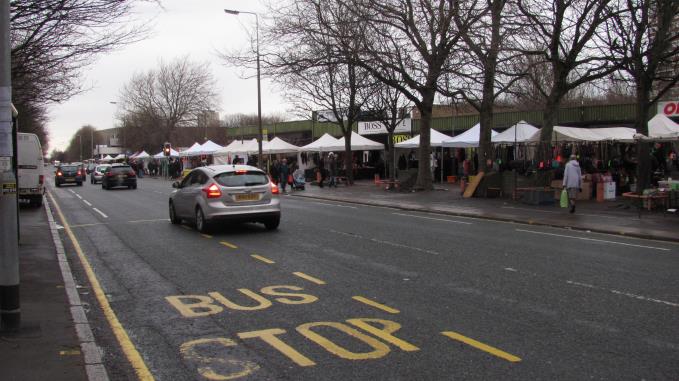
{"points": [[593, 240], [100, 212], [432, 218], [87, 203]]}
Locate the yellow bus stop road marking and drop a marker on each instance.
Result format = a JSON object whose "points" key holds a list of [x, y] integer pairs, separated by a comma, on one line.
{"points": [[376, 305], [206, 236], [126, 344], [265, 260], [484, 347], [309, 278], [229, 245]]}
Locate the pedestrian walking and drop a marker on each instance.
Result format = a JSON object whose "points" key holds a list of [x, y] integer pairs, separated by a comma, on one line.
{"points": [[284, 172], [572, 181]]}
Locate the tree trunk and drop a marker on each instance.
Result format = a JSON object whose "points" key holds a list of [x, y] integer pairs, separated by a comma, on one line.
{"points": [[391, 160], [643, 147], [486, 122], [424, 177], [348, 155]]}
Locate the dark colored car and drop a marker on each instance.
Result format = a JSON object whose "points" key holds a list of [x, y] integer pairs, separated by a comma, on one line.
{"points": [[68, 174], [119, 175]]}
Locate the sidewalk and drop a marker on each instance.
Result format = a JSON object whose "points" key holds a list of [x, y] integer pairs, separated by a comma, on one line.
{"points": [[612, 217], [46, 346]]}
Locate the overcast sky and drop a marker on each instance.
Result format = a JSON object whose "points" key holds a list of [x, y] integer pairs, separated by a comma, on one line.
{"points": [[180, 27]]}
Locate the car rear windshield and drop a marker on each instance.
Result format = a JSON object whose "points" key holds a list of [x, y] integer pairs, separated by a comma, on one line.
{"points": [[69, 168], [241, 179], [121, 169]]}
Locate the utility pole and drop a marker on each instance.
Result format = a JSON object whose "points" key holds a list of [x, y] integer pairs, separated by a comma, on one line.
{"points": [[10, 313]]}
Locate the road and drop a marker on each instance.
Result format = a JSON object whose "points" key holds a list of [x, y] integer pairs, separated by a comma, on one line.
{"points": [[344, 292]]}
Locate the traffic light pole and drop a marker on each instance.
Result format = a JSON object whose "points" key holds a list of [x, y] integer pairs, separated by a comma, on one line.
{"points": [[10, 316]]}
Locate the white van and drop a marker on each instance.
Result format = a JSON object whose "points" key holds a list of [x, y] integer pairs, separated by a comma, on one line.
{"points": [[31, 175]]}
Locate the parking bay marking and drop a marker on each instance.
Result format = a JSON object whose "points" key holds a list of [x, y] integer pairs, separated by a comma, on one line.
{"points": [[263, 259], [309, 278], [375, 304], [479, 345], [229, 245], [593, 239]]}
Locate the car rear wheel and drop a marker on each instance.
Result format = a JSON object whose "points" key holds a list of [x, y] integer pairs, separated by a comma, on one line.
{"points": [[201, 223], [272, 223], [173, 215]]}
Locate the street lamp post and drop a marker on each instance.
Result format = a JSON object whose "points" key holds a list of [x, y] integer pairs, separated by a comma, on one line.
{"points": [[259, 91], [80, 138]]}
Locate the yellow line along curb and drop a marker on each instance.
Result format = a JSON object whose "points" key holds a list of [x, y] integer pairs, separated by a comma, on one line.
{"points": [[309, 278], [126, 344]]}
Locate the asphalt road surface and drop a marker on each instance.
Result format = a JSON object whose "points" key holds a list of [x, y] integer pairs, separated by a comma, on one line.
{"points": [[349, 292]]}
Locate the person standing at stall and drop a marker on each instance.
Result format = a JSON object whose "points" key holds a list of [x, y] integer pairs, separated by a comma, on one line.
{"points": [[572, 181], [283, 172]]}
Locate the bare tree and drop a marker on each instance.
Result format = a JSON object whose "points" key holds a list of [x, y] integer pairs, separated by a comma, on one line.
{"points": [[644, 40], [563, 35], [413, 39], [241, 120], [80, 144], [485, 59], [312, 50], [393, 108], [175, 95], [52, 41]]}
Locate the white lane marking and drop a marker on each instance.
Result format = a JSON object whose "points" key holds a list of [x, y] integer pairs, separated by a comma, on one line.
{"points": [[156, 220], [87, 203], [100, 212], [623, 293], [593, 239], [78, 196], [87, 225], [511, 269], [339, 206], [432, 218], [555, 212], [71, 190], [385, 242]]}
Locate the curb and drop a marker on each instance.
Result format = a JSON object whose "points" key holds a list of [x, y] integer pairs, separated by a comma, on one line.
{"points": [[493, 218], [92, 353]]}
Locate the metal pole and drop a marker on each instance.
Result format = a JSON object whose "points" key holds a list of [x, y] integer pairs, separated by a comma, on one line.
{"points": [[259, 97], [80, 138], [10, 313], [92, 142]]}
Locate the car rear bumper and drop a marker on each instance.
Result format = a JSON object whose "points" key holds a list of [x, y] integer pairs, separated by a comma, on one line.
{"points": [[121, 183], [258, 216]]}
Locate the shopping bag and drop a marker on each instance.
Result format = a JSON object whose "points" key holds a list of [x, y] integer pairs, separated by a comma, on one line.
{"points": [[290, 180], [564, 199]]}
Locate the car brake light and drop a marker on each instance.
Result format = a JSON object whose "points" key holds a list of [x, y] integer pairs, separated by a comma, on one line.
{"points": [[109, 174], [241, 171], [78, 173], [41, 179], [59, 173], [274, 189], [212, 191], [131, 174]]}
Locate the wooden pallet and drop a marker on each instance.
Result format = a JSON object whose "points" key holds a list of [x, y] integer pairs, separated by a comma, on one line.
{"points": [[471, 187]]}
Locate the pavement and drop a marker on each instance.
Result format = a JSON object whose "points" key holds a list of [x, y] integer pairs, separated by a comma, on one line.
{"points": [[49, 336]]}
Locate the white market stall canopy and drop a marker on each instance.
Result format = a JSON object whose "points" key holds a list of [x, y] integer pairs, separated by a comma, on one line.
{"points": [[241, 146], [519, 133], [209, 147], [161, 155], [359, 143], [576, 134], [142, 155], [107, 158], [119, 157], [662, 127], [469, 138], [194, 150], [325, 143], [435, 140], [278, 145]]}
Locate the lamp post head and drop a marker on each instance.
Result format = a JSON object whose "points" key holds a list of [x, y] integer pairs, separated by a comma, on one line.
{"points": [[232, 12]]}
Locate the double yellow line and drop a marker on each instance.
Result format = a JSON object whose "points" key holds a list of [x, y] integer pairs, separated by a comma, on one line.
{"points": [[121, 335]]}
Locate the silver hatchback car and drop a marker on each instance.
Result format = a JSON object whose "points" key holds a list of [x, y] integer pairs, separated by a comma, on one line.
{"points": [[239, 193]]}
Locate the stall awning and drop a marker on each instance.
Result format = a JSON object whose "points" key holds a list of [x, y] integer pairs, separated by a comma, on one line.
{"points": [[435, 140]]}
